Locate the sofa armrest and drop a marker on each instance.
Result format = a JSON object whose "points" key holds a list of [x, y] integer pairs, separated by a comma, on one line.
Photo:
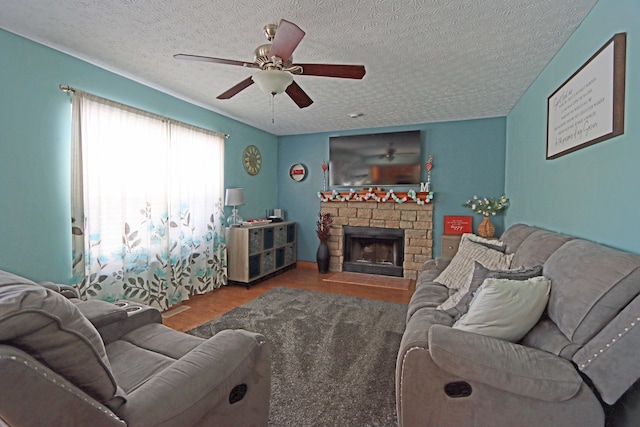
{"points": [[66, 291], [504, 365], [101, 313], [137, 315], [201, 382], [442, 262], [610, 359], [114, 320], [436, 264], [33, 394]]}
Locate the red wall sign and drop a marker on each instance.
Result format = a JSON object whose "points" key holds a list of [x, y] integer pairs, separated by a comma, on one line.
{"points": [[457, 224]]}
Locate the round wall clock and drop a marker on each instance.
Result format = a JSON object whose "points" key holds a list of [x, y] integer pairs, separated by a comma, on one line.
{"points": [[252, 160]]}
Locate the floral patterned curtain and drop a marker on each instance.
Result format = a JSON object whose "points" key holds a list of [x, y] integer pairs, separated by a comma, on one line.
{"points": [[147, 219]]}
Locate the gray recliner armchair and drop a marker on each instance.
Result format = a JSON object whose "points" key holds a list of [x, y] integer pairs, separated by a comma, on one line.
{"points": [[78, 363]]}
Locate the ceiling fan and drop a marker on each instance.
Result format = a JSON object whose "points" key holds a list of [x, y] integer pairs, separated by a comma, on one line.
{"points": [[276, 65]]}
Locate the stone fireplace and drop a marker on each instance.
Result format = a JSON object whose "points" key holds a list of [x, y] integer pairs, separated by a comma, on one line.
{"points": [[413, 219]]}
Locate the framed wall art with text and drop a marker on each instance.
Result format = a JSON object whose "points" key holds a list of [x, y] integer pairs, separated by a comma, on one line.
{"points": [[589, 106]]}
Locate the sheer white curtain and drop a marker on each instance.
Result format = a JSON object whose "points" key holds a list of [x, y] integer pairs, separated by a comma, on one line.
{"points": [[146, 205]]}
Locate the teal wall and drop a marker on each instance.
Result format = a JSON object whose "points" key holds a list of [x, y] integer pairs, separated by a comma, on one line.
{"points": [[593, 192], [469, 158], [34, 151]]}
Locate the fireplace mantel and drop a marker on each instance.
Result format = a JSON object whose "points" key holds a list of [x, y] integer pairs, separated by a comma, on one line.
{"points": [[378, 196]]}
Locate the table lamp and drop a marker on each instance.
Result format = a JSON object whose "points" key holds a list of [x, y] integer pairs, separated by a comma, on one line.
{"points": [[234, 197]]}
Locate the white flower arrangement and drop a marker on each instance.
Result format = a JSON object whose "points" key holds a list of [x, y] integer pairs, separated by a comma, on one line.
{"points": [[487, 206]]}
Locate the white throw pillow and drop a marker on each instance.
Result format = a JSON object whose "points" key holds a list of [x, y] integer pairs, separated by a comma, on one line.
{"points": [[506, 309], [458, 273]]}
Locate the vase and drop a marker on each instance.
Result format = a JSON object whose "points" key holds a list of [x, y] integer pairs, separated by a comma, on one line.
{"points": [[486, 229], [323, 257]]}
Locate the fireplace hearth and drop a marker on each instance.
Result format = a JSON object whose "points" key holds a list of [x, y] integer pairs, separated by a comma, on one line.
{"points": [[373, 250]]}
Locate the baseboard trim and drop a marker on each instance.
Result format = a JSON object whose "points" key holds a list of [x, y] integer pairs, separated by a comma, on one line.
{"points": [[173, 311], [306, 264]]}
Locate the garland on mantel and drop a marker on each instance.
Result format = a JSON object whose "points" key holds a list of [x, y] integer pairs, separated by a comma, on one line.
{"points": [[354, 196]]}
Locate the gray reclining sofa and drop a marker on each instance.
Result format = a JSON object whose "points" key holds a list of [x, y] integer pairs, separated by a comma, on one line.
{"points": [[578, 366], [66, 362]]}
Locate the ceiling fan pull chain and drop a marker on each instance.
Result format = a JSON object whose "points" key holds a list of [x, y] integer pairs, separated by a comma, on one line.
{"points": [[273, 102]]}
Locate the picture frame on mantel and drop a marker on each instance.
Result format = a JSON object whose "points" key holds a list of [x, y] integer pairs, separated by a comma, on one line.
{"points": [[589, 106]]}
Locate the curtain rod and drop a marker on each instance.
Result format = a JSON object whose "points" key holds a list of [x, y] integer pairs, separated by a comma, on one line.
{"points": [[66, 88], [69, 90]]}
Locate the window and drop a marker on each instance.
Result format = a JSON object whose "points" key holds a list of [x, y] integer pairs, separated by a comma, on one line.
{"points": [[146, 205]]}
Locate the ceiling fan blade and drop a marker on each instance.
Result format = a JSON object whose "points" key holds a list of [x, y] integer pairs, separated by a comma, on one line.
{"points": [[288, 36], [236, 89], [214, 60], [298, 95], [333, 70]]}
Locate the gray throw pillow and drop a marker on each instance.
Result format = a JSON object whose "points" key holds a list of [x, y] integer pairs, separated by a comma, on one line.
{"points": [[480, 273], [494, 244]]}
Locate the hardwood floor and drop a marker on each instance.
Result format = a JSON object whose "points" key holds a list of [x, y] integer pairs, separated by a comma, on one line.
{"points": [[214, 304]]}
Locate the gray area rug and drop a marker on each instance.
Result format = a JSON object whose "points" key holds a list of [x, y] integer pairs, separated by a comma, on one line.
{"points": [[333, 356]]}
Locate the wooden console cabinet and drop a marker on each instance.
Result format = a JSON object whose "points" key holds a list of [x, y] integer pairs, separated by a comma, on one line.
{"points": [[260, 250]]}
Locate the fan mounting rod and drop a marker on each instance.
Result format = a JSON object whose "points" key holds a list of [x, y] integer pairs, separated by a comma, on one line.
{"points": [[265, 61], [270, 31]]}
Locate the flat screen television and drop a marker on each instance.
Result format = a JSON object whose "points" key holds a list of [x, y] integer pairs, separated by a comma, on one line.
{"points": [[376, 160]]}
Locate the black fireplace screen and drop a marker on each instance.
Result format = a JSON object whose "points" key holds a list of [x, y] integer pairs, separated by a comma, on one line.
{"points": [[373, 250]]}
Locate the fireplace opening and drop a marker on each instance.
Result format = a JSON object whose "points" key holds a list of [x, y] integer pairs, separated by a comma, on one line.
{"points": [[373, 250]]}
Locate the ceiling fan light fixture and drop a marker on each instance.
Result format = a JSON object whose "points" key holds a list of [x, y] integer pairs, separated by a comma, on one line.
{"points": [[272, 82]]}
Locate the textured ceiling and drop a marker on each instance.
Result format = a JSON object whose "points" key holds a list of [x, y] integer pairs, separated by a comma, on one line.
{"points": [[426, 60]]}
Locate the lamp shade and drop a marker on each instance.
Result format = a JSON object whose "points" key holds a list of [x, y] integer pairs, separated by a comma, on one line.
{"points": [[272, 82], [234, 197]]}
